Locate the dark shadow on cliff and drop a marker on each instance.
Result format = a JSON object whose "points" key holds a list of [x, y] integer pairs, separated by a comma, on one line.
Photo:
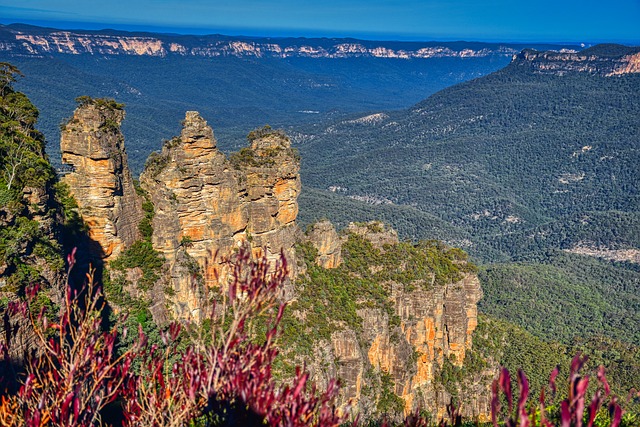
{"points": [[88, 254]]}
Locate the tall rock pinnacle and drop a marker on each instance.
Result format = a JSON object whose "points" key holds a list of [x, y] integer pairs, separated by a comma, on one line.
{"points": [[207, 206], [91, 142]]}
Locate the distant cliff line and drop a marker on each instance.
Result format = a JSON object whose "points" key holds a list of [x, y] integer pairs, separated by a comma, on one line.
{"points": [[27, 40], [605, 60]]}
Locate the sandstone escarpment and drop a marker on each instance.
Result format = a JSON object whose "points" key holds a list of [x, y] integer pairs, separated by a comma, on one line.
{"points": [[422, 326], [207, 206], [603, 60], [100, 180], [34, 41], [435, 325]]}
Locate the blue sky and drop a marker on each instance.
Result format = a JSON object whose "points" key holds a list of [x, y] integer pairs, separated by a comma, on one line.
{"points": [[485, 20]]}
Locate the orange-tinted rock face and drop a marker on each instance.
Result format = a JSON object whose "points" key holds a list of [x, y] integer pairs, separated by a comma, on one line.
{"points": [[272, 185], [629, 64], [324, 238], [206, 206], [91, 142], [436, 323]]}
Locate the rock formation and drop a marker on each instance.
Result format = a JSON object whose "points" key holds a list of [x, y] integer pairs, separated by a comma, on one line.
{"points": [[377, 232], [207, 206], [100, 180], [435, 327], [325, 239], [603, 60]]}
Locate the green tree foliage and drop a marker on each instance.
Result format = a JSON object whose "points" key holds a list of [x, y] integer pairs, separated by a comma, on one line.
{"points": [[565, 296], [26, 177], [22, 158]]}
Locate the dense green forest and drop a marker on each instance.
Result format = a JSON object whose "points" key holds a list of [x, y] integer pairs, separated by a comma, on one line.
{"points": [[518, 168], [584, 296], [233, 94], [494, 155]]}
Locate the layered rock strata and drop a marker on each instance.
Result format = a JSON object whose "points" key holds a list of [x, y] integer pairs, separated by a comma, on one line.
{"points": [[560, 63], [34, 41], [100, 180], [207, 206], [436, 327]]}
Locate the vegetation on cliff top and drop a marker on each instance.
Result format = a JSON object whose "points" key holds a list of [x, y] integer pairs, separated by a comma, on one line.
{"points": [[100, 103], [258, 156], [329, 299]]}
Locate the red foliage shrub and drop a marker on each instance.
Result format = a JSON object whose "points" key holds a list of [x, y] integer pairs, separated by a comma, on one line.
{"points": [[572, 409], [219, 377], [72, 372]]}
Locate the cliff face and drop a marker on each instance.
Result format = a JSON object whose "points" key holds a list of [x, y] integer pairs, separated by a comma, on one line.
{"points": [[417, 327], [435, 325], [596, 60], [325, 239], [100, 180], [271, 169], [412, 319], [35, 41], [206, 206]]}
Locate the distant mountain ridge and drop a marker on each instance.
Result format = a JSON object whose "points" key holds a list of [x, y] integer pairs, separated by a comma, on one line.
{"points": [[604, 60], [236, 82], [550, 135], [20, 39]]}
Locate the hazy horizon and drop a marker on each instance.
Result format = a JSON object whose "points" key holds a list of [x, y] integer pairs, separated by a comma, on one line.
{"points": [[586, 22]]}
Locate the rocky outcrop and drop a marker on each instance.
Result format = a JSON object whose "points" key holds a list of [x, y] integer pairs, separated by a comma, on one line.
{"points": [[207, 206], [435, 325], [621, 255], [428, 328], [325, 239], [603, 60], [271, 169], [377, 232], [100, 180]]}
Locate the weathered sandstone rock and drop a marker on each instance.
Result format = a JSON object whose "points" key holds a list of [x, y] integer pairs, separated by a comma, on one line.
{"points": [[325, 239], [207, 206], [436, 325], [377, 232], [91, 142]]}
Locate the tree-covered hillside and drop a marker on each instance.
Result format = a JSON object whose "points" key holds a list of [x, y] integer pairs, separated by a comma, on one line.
{"points": [[234, 94], [516, 166], [498, 154]]}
